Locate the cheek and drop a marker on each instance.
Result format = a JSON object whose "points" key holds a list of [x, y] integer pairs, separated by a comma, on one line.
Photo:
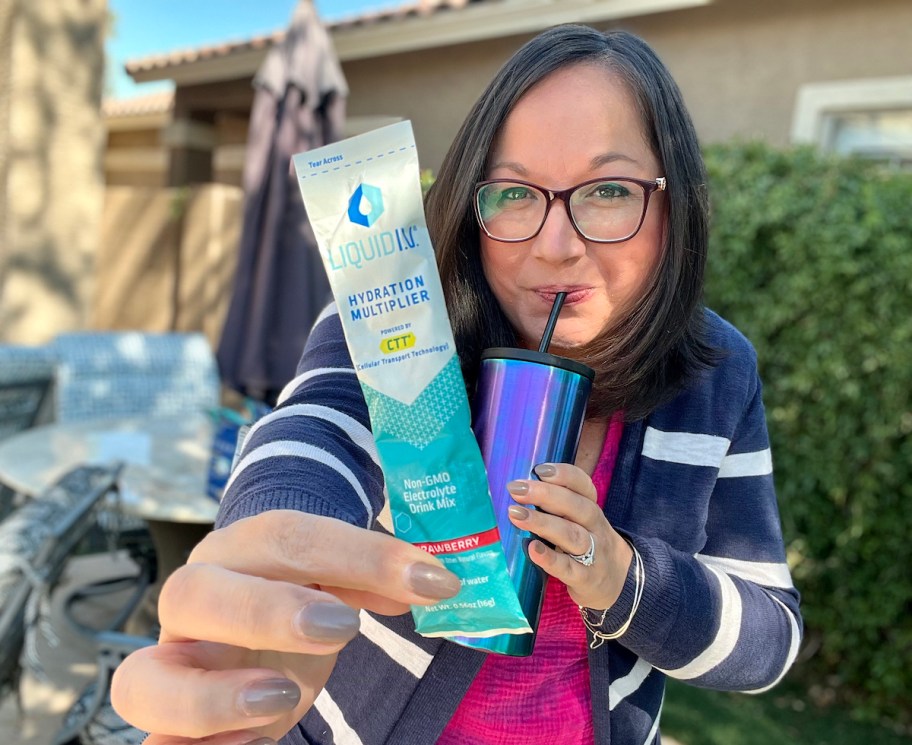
{"points": [[498, 263], [628, 274], [646, 256]]}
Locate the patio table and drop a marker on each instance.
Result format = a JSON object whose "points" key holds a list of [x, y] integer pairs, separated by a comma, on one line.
{"points": [[166, 462]]}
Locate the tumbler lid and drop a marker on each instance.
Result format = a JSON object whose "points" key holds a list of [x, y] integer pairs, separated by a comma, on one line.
{"points": [[539, 358]]}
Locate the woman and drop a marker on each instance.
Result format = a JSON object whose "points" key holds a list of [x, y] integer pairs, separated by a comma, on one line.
{"points": [[668, 556]]}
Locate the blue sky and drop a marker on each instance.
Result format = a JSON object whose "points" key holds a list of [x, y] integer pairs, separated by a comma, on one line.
{"points": [[144, 27]]}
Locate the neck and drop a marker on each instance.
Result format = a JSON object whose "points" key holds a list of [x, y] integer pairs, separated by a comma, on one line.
{"points": [[592, 440]]}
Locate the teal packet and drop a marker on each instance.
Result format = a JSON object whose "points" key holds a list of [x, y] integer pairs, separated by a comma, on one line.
{"points": [[363, 199]]}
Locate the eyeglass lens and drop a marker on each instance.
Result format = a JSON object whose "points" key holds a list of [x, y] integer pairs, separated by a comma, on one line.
{"points": [[602, 211]]}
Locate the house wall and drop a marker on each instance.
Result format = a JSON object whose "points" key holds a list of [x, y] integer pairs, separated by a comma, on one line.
{"points": [[136, 158], [140, 158], [434, 88], [53, 59], [228, 156], [739, 64]]}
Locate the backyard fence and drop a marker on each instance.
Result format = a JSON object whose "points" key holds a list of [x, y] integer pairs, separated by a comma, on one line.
{"points": [[167, 258]]}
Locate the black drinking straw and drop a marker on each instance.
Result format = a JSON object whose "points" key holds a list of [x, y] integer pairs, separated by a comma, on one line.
{"points": [[552, 322]]}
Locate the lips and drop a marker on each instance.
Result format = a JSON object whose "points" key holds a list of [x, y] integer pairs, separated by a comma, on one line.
{"points": [[575, 293]]}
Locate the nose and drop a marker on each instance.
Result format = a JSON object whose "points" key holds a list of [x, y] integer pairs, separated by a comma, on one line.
{"points": [[558, 240]]}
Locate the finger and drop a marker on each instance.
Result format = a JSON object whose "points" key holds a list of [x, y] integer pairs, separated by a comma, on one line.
{"points": [[559, 565], [194, 702], [242, 737], [309, 549], [596, 586], [204, 601], [568, 476], [569, 536], [557, 500], [368, 600]]}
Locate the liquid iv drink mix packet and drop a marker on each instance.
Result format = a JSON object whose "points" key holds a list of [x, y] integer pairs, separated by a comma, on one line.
{"points": [[363, 199]]}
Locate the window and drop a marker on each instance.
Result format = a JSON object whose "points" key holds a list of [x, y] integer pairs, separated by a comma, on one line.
{"points": [[870, 118], [878, 135]]}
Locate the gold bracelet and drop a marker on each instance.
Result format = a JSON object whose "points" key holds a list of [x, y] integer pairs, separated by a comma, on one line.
{"points": [[599, 637]]}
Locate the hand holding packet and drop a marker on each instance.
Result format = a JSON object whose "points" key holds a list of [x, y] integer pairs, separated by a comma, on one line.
{"points": [[363, 199]]}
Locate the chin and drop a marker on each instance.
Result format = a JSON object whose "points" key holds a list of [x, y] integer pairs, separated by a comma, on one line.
{"points": [[563, 339], [574, 337], [568, 346]]}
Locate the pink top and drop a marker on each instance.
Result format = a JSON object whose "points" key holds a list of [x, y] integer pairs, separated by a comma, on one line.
{"points": [[544, 698]]}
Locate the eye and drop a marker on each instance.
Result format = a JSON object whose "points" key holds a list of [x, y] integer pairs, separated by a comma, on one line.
{"points": [[516, 193], [609, 190], [499, 199]]}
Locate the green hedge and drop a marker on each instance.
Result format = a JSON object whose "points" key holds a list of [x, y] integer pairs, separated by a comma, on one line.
{"points": [[811, 257]]}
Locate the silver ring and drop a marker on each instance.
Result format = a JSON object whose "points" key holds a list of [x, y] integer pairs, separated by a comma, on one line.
{"points": [[587, 558]]}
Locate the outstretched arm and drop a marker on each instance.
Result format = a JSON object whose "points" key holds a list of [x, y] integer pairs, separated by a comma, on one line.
{"points": [[315, 452]]}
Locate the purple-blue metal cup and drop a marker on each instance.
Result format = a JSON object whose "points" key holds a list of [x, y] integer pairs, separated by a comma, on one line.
{"points": [[529, 409]]}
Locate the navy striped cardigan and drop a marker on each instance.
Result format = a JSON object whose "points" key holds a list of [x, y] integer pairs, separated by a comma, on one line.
{"points": [[692, 488]]}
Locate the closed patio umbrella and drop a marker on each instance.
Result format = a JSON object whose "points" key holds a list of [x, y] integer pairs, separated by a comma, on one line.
{"points": [[280, 285]]}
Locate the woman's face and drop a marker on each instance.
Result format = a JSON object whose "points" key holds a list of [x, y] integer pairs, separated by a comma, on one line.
{"points": [[577, 124]]}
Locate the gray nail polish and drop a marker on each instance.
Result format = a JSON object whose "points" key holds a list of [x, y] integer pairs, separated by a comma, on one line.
{"points": [[269, 697], [328, 622], [517, 512], [431, 581], [545, 470]]}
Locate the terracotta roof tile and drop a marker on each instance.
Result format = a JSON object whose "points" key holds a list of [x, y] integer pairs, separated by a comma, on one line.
{"points": [[152, 103], [182, 56], [416, 8]]}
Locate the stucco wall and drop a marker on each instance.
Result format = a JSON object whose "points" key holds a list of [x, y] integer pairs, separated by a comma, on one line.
{"points": [[739, 63], [52, 145], [434, 88]]}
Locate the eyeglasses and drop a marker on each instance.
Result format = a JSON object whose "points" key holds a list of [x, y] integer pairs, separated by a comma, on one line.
{"points": [[603, 210]]}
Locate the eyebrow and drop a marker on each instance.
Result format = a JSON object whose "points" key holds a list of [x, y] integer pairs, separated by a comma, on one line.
{"points": [[604, 159], [597, 162]]}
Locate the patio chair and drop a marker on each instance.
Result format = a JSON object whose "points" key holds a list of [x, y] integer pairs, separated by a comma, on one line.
{"points": [[35, 543], [120, 374], [26, 378]]}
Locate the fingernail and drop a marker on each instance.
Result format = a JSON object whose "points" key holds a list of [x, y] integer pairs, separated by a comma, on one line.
{"points": [[432, 581], [517, 512], [538, 547], [518, 487], [545, 470], [269, 697], [328, 622]]}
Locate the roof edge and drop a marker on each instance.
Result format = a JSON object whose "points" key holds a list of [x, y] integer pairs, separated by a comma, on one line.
{"points": [[406, 29]]}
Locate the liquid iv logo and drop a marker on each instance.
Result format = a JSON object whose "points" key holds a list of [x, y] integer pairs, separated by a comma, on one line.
{"points": [[365, 205]]}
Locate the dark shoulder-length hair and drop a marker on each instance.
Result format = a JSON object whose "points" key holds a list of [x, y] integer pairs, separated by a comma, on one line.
{"points": [[643, 357]]}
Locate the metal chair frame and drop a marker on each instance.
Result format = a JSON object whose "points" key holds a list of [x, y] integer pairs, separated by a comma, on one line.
{"points": [[92, 719], [41, 571]]}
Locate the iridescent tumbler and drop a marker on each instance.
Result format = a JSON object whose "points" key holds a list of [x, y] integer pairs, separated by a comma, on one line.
{"points": [[529, 409]]}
